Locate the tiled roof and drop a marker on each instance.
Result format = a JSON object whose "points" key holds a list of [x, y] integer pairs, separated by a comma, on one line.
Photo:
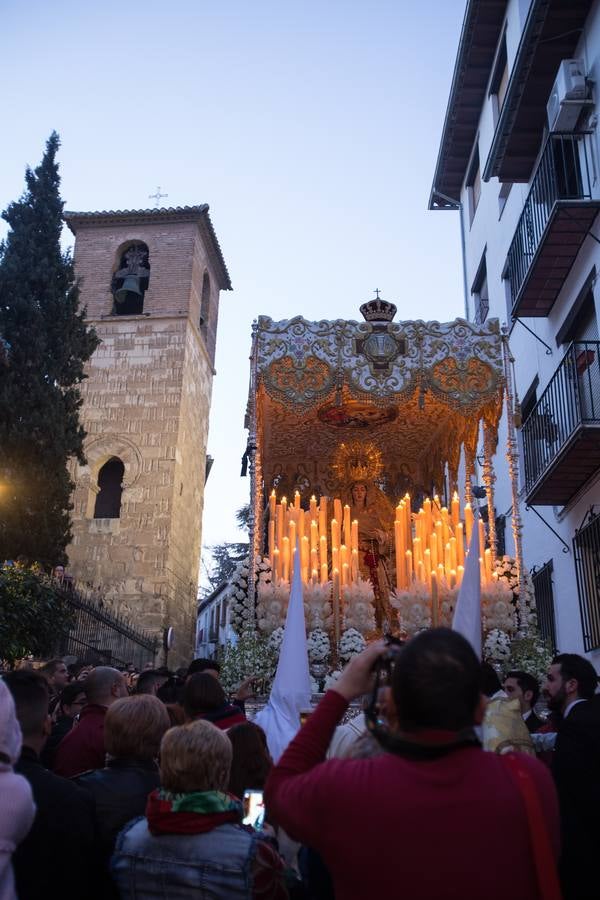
{"points": [[199, 214]]}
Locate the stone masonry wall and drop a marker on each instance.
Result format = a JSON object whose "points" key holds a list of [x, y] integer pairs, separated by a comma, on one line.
{"points": [[147, 401]]}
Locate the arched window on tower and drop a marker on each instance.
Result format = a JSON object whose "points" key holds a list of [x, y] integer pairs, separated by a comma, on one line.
{"points": [[108, 499], [205, 304], [130, 281]]}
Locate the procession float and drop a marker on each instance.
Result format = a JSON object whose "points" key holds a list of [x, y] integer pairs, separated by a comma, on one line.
{"points": [[363, 439]]}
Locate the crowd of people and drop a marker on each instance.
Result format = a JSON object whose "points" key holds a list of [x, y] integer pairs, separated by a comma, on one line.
{"points": [[117, 784]]}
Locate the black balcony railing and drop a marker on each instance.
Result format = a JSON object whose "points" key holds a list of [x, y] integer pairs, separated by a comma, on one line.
{"points": [[571, 401], [563, 174]]}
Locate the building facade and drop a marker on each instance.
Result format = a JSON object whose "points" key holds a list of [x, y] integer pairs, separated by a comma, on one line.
{"points": [[519, 161], [214, 630], [150, 282]]}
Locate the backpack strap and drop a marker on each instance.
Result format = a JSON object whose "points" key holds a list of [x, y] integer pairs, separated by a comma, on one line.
{"points": [[545, 863]]}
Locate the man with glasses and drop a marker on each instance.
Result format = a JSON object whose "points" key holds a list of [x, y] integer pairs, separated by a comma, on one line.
{"points": [[71, 702]]}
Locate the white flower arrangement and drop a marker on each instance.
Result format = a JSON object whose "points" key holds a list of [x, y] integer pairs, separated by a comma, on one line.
{"points": [[317, 606], [414, 606], [318, 645], [271, 608], [275, 639], [498, 608], [531, 654], [359, 610], [524, 600], [251, 655], [331, 679], [351, 643], [497, 646]]}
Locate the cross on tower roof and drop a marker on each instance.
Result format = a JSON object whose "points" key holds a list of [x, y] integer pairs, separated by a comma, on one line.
{"points": [[157, 196], [377, 293]]}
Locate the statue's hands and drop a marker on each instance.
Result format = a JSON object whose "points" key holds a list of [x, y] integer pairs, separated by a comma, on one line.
{"points": [[381, 536]]}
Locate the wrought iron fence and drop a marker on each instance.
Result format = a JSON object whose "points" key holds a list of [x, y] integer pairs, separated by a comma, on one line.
{"points": [[544, 601], [100, 636], [586, 550], [572, 399], [563, 173]]}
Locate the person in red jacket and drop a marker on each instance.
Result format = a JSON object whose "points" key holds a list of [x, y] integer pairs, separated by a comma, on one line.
{"points": [[83, 747], [424, 819]]}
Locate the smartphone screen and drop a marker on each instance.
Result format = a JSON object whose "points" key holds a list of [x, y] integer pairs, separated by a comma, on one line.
{"points": [[254, 809]]}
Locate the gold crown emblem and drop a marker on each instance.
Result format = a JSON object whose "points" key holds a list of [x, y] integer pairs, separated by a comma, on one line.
{"points": [[357, 461], [378, 310], [358, 470]]}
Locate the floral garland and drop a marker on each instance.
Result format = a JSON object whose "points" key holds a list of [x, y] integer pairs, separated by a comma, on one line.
{"points": [[272, 605], [524, 601], [359, 611], [496, 648], [241, 613], [414, 606], [317, 606]]}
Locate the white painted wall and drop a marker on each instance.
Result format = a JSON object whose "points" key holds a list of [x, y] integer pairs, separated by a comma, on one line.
{"points": [[494, 232]]}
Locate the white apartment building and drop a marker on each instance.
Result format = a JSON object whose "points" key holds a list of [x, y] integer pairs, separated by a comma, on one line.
{"points": [[519, 160], [213, 630]]}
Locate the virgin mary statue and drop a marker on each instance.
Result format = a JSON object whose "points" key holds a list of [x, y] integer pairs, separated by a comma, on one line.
{"points": [[375, 515]]}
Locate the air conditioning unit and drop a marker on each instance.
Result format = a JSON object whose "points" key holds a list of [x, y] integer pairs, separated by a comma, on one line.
{"points": [[567, 96]]}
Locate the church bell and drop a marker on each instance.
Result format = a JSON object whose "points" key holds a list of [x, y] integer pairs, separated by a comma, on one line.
{"points": [[131, 285]]}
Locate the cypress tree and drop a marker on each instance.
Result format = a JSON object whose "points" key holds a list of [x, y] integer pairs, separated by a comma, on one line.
{"points": [[46, 343]]}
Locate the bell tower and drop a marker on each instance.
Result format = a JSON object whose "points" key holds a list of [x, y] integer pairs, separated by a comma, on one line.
{"points": [[150, 281]]}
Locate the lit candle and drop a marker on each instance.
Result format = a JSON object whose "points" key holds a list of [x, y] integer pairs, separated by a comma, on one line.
{"points": [[417, 551], [323, 573], [343, 555], [323, 551], [280, 532], [335, 558], [315, 576], [445, 525], [297, 500], [323, 517], [459, 575], [460, 545], [305, 556], [336, 604], [335, 533], [354, 535], [468, 523], [481, 571], [314, 535], [347, 534], [284, 505], [428, 517], [272, 504], [354, 565], [447, 559], [409, 567], [453, 554], [421, 572], [455, 506], [345, 574], [434, 600], [407, 513], [427, 562], [487, 558], [399, 557], [300, 522], [338, 513], [292, 536], [313, 507], [271, 541], [441, 575], [286, 558], [276, 568]]}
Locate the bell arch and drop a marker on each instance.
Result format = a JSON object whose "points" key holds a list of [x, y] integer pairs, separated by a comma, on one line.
{"points": [[131, 278]]}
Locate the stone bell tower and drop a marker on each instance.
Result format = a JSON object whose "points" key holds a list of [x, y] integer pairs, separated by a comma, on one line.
{"points": [[150, 281]]}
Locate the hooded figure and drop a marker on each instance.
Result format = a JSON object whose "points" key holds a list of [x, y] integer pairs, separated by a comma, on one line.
{"points": [[16, 801]]}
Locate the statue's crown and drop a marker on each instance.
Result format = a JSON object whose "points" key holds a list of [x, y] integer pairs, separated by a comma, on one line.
{"points": [[358, 470], [378, 310]]}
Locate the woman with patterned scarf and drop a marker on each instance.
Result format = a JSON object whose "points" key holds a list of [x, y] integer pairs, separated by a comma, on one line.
{"points": [[191, 841]]}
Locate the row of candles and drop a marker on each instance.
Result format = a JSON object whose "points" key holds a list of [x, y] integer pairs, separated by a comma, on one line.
{"points": [[429, 545]]}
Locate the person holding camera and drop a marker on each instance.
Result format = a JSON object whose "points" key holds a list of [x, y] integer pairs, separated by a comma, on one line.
{"points": [[423, 815]]}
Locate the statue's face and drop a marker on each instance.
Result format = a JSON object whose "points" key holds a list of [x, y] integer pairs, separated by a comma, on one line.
{"points": [[359, 493]]}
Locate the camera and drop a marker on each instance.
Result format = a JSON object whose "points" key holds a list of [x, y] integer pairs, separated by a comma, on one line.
{"points": [[383, 669]]}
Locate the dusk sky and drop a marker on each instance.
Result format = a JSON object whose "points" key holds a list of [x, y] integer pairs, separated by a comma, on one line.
{"points": [[311, 129]]}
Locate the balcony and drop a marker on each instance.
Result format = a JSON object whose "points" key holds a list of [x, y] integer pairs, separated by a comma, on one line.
{"points": [[558, 213], [561, 436]]}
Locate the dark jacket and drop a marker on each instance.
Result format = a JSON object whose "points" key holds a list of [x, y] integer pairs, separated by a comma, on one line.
{"points": [[60, 849], [225, 716], [576, 770], [60, 729], [120, 792], [533, 722], [83, 748]]}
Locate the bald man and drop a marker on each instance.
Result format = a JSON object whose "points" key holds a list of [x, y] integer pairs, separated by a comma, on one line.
{"points": [[83, 748]]}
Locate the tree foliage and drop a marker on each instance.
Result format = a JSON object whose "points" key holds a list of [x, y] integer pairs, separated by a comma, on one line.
{"points": [[226, 556], [33, 615], [47, 342]]}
